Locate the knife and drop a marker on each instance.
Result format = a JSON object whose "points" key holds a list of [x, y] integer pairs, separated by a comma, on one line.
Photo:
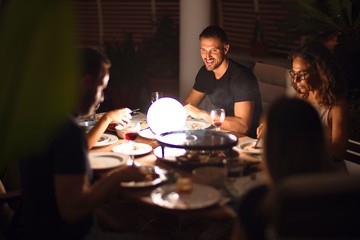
{"points": [[134, 111]]}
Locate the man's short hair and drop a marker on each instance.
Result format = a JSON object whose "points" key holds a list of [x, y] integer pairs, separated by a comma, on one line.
{"points": [[214, 31], [92, 60]]}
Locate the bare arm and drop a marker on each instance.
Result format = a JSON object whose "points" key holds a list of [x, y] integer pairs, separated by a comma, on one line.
{"points": [[121, 116], [339, 130], [241, 122], [194, 98], [76, 198]]}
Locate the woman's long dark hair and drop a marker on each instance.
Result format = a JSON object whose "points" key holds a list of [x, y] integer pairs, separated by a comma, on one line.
{"points": [[332, 87]]}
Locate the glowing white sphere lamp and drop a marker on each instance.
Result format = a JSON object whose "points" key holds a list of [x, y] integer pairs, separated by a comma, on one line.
{"points": [[166, 115]]}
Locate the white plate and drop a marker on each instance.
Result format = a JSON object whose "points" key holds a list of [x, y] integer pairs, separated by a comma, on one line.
{"points": [[248, 147], [107, 160], [170, 154], [126, 148], [196, 124], [201, 196], [148, 169], [147, 133], [105, 140]]}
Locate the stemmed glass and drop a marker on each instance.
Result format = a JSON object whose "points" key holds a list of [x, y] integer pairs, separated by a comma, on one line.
{"points": [[132, 130], [217, 117], [155, 96]]}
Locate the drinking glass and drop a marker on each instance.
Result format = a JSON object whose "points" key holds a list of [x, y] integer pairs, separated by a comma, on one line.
{"points": [[155, 96], [217, 117], [132, 130]]}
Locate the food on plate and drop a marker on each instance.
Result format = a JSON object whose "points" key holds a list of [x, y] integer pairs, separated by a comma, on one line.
{"points": [[183, 185], [202, 156], [103, 139], [144, 125], [193, 126], [99, 115], [151, 176], [150, 173], [251, 147]]}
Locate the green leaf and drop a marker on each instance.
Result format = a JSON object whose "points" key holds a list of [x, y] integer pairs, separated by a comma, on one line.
{"points": [[316, 12], [39, 69]]}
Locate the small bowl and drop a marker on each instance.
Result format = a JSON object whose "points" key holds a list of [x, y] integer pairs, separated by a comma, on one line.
{"points": [[120, 131], [210, 175]]}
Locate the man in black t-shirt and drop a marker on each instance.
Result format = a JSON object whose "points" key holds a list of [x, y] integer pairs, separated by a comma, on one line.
{"points": [[227, 84]]}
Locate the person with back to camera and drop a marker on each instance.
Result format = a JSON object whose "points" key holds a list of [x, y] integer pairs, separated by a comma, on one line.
{"points": [[294, 144], [58, 194], [227, 84], [317, 79]]}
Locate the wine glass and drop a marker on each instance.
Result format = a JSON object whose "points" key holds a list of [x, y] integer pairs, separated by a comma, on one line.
{"points": [[132, 130], [217, 117], [155, 96]]}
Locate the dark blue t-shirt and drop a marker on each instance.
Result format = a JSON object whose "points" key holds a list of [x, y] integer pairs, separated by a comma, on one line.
{"points": [[238, 84], [66, 153]]}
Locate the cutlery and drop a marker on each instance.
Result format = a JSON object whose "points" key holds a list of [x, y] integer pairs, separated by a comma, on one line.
{"points": [[135, 111], [257, 143]]}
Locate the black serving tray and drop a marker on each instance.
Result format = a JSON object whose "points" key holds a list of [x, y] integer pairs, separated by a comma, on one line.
{"points": [[202, 139]]}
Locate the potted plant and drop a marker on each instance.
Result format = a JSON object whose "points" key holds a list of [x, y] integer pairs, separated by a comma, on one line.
{"points": [[125, 73], [315, 19], [333, 22], [161, 70]]}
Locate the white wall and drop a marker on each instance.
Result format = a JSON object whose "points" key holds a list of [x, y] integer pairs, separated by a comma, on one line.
{"points": [[195, 15]]}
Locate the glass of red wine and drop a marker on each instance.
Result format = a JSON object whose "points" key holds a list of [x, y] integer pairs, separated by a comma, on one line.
{"points": [[132, 130], [217, 117]]}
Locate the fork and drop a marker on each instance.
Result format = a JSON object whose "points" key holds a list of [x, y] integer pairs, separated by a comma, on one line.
{"points": [[257, 143]]}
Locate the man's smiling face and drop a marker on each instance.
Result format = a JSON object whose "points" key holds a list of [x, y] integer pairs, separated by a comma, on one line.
{"points": [[212, 52]]}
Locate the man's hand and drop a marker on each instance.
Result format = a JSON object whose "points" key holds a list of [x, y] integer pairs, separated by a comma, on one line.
{"points": [[121, 116], [129, 173], [194, 112]]}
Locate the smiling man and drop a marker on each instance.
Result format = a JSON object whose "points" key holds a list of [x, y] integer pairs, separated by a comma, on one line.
{"points": [[227, 84]]}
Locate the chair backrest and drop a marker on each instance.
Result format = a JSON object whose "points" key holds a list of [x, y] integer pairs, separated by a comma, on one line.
{"points": [[352, 157], [317, 207], [274, 82]]}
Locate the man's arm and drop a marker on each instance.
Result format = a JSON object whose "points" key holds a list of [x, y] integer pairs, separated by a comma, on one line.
{"points": [[76, 198], [194, 98], [191, 102], [241, 122], [121, 116]]}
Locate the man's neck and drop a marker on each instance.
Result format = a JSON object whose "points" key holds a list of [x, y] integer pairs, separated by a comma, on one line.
{"points": [[220, 71]]}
